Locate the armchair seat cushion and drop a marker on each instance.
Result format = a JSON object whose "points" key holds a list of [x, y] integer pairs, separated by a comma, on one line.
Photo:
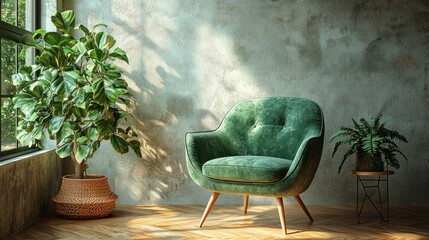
{"points": [[257, 169]]}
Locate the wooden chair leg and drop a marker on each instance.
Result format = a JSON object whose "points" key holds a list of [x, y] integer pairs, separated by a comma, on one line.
{"points": [[298, 199], [246, 203], [210, 204], [281, 209]]}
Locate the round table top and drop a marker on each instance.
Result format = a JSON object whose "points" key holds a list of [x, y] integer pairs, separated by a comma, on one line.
{"points": [[378, 173]]}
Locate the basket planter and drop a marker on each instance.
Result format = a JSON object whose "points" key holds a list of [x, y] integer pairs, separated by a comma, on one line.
{"points": [[366, 163], [86, 198]]}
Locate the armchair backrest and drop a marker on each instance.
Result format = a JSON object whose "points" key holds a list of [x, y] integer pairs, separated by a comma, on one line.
{"points": [[274, 126]]}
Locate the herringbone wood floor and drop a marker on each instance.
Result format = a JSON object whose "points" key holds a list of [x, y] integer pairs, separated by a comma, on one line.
{"points": [[228, 222]]}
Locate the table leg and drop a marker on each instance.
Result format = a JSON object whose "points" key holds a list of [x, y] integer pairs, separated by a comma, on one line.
{"points": [[387, 196], [379, 200], [379, 209], [357, 198]]}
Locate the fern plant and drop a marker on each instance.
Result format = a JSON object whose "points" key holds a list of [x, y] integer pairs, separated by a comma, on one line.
{"points": [[370, 139]]}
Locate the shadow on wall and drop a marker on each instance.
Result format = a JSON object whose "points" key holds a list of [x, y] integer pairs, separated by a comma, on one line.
{"points": [[164, 91], [165, 104]]}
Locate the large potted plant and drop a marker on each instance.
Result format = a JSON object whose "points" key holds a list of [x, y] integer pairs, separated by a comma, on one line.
{"points": [[71, 94], [372, 143]]}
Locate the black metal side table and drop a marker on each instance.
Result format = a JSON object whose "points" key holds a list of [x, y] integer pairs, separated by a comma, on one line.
{"points": [[372, 180]]}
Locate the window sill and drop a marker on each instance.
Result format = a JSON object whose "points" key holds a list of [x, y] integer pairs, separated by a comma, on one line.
{"points": [[25, 156]]}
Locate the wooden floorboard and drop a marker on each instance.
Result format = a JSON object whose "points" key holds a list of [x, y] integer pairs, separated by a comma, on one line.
{"points": [[228, 222]]}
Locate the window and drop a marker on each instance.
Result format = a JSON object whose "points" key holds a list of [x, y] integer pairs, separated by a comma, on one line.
{"points": [[17, 17]]}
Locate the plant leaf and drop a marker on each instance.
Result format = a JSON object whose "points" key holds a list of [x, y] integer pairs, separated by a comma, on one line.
{"points": [[24, 138], [28, 40], [99, 25], [64, 21], [346, 155], [82, 139], [121, 91], [55, 124], [135, 145], [38, 32], [81, 153], [119, 54], [37, 132], [70, 81], [58, 85], [104, 127], [72, 76], [25, 101], [46, 59], [93, 134], [119, 144], [96, 54], [343, 131], [52, 38], [99, 90], [83, 29], [64, 148], [100, 39], [80, 112], [111, 94], [66, 131], [18, 79], [82, 49], [79, 96], [110, 42]]}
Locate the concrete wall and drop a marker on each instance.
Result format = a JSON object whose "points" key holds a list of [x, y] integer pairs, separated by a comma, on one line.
{"points": [[27, 185], [192, 60]]}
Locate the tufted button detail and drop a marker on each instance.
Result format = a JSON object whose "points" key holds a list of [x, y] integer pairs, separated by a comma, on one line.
{"points": [[255, 123], [282, 122]]}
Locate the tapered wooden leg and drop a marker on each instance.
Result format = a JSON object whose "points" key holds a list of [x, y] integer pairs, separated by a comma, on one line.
{"points": [[281, 209], [298, 199], [210, 204], [246, 203]]}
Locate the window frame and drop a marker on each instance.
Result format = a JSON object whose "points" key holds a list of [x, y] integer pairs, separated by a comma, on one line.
{"points": [[15, 34]]}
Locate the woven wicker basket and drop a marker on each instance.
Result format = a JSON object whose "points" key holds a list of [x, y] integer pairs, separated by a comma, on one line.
{"points": [[84, 198]]}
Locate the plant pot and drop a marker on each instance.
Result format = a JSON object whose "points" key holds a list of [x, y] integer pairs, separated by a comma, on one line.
{"points": [[84, 198], [366, 163]]}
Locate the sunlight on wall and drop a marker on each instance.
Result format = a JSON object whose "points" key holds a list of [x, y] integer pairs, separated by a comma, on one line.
{"points": [[216, 59]]}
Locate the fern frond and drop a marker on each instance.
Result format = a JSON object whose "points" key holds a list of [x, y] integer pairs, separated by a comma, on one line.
{"points": [[342, 132], [365, 125], [376, 121], [371, 144], [346, 155]]}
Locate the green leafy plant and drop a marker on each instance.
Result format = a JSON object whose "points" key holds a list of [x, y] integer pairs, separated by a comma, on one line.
{"points": [[370, 139], [72, 92]]}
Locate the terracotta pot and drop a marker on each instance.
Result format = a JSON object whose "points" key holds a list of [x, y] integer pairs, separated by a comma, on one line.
{"points": [[84, 198], [366, 163]]}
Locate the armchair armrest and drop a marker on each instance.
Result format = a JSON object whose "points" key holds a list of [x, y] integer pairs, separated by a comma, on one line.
{"points": [[306, 161], [204, 146]]}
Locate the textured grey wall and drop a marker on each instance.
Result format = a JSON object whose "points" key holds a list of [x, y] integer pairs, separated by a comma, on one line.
{"points": [[190, 61], [26, 188]]}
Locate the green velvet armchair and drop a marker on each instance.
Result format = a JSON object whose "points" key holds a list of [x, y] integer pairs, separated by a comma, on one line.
{"points": [[263, 147]]}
